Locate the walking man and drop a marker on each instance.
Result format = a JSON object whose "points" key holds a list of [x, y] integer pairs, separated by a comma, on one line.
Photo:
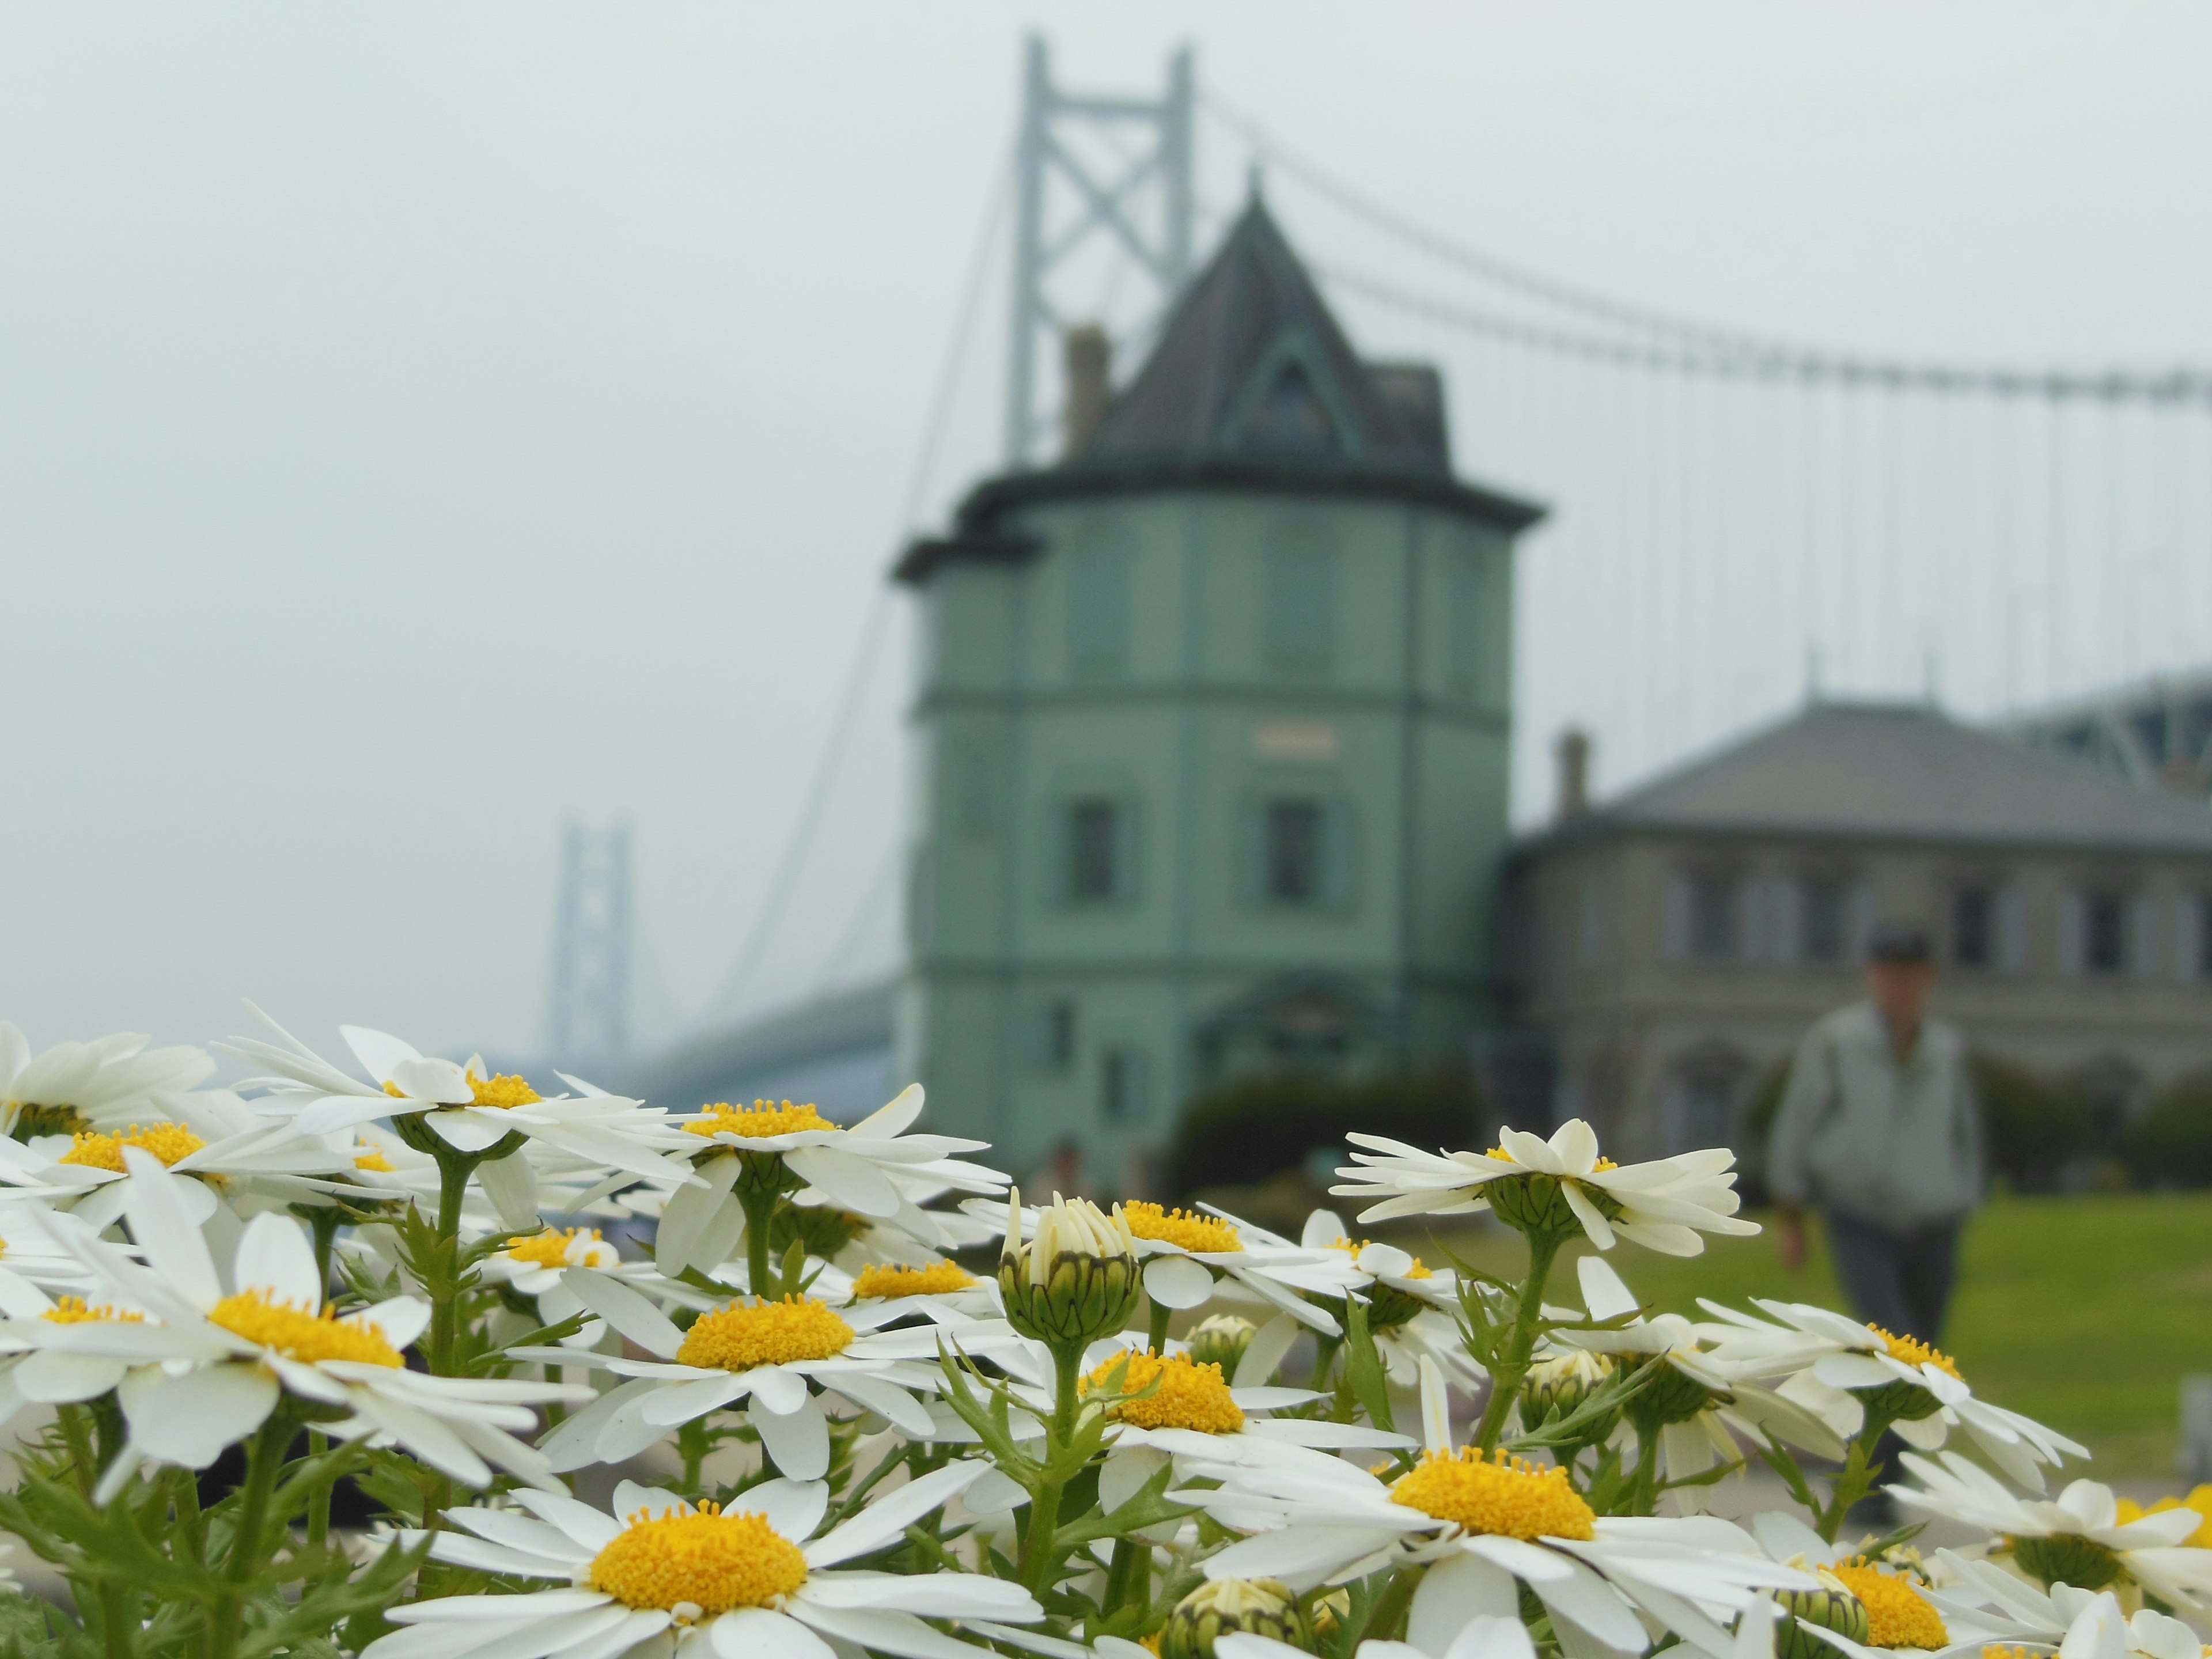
{"points": [[1878, 1127]]}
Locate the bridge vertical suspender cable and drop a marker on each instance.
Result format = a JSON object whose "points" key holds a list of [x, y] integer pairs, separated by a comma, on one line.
{"points": [[777, 899]]}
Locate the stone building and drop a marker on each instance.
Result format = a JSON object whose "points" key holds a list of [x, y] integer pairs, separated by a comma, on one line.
{"points": [[1667, 949], [1213, 724]]}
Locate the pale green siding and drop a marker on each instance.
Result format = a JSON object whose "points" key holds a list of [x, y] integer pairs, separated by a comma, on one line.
{"points": [[1188, 658]]}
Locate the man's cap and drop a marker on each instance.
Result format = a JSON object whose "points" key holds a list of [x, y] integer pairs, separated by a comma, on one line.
{"points": [[1899, 942]]}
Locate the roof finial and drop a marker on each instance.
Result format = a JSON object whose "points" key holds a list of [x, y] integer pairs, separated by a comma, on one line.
{"points": [[1812, 671], [1255, 180]]}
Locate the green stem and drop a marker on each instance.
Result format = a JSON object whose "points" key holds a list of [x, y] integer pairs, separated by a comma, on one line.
{"points": [[1156, 1334], [1383, 1624], [1038, 1550], [244, 1561], [1128, 1579], [446, 1296], [117, 1620], [319, 1500], [1857, 1477], [1506, 1375], [760, 1267]]}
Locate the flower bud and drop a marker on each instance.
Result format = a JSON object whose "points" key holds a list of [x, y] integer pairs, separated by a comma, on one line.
{"points": [[1220, 1340], [1838, 1610], [1561, 1385], [1076, 1278], [1257, 1606]]}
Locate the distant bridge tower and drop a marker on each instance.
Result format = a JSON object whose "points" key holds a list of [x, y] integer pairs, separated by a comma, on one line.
{"points": [[1108, 198], [589, 1016]]}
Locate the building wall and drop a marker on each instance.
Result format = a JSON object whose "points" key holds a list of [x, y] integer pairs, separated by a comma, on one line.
{"points": [[1653, 1041], [1175, 654]]}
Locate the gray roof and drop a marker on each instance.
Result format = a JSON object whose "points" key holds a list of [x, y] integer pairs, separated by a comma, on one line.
{"points": [[1253, 362], [1900, 773], [1252, 387]]}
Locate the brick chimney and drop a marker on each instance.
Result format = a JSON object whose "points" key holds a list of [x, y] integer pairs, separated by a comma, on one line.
{"points": [[1573, 749], [1087, 358]]}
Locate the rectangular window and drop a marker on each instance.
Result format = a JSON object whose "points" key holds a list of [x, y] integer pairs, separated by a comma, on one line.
{"points": [[1060, 1036], [1098, 604], [1094, 850], [1121, 1086], [1824, 919], [1294, 851], [2104, 932], [1974, 926], [1712, 917]]}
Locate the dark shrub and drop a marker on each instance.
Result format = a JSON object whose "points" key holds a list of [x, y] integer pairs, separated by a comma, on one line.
{"points": [[1259, 1126], [2171, 1145], [2033, 1125]]}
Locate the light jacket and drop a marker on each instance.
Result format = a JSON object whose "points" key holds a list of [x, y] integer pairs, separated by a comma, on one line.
{"points": [[1895, 1146]]}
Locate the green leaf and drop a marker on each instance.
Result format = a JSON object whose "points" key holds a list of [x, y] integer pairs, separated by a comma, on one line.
{"points": [[1363, 1368]]}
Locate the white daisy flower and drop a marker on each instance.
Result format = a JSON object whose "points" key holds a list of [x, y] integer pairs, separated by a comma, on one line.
{"points": [[1701, 1403], [2079, 1539], [198, 1362], [1481, 1526], [771, 1357], [744, 1582], [1663, 1205], [1192, 1413], [1870, 1608], [89, 1085], [1184, 1253], [1838, 1369], [1982, 1603], [874, 1168], [462, 1104]]}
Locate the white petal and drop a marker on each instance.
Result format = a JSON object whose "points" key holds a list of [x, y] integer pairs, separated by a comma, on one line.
{"points": [[798, 1444], [1176, 1281], [1603, 1293], [275, 1257], [189, 1419], [793, 1508], [512, 1185], [888, 1516], [680, 1402], [379, 1052], [1458, 1588], [894, 1119], [50, 1377], [777, 1390], [625, 1309], [1592, 1220], [161, 1222], [900, 1633], [690, 1211], [1269, 1344], [466, 1130], [851, 1182], [756, 1633]]}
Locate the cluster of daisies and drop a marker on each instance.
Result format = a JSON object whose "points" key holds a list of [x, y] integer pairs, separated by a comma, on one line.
{"points": [[405, 1358]]}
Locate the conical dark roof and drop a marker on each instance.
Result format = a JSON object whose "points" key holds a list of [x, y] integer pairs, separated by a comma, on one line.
{"points": [[1253, 364], [1252, 387]]}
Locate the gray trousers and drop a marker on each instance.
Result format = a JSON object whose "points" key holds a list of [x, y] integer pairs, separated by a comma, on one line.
{"points": [[1899, 1281]]}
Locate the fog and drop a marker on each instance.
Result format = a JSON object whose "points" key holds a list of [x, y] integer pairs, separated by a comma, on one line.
{"points": [[423, 424]]}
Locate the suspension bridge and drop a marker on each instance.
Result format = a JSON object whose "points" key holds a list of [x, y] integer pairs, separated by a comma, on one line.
{"points": [[1739, 521]]}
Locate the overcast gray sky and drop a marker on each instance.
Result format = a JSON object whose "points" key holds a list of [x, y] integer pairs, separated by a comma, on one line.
{"points": [[424, 423]]}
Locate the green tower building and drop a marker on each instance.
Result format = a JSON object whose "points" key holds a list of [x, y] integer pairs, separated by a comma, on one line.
{"points": [[1215, 719]]}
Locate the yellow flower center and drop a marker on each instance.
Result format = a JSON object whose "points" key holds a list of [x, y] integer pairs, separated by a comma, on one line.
{"points": [[71, 1310], [1504, 1156], [167, 1141], [550, 1248], [1180, 1227], [375, 1161], [700, 1558], [749, 1333], [298, 1334], [1898, 1615], [2200, 1500], [1417, 1271], [1999, 1650], [1911, 1351], [1190, 1395], [1510, 1497], [938, 1278], [503, 1091], [761, 1118]]}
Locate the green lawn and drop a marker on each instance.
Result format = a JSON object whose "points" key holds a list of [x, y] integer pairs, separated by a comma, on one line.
{"points": [[2083, 1312]]}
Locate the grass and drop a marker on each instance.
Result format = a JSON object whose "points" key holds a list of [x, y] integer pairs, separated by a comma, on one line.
{"points": [[2083, 1312]]}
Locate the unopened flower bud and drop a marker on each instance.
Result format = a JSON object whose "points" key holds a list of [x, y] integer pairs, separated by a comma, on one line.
{"points": [[1838, 1610], [1220, 1340], [1256, 1606], [1076, 1278], [1560, 1386]]}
